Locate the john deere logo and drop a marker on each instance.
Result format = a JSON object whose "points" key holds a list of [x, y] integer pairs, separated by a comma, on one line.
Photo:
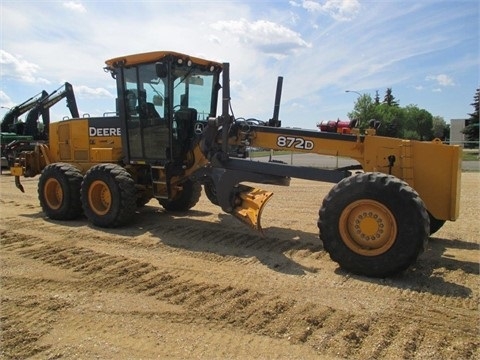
{"points": [[94, 131], [199, 128]]}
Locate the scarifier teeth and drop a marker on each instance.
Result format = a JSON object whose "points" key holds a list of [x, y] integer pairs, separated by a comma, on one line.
{"points": [[18, 184]]}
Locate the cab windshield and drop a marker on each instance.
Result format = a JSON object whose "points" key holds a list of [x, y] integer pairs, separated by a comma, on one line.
{"points": [[193, 89]]}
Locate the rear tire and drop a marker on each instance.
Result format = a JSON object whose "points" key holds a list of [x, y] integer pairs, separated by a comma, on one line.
{"points": [[108, 195], [373, 224], [185, 199], [59, 191]]}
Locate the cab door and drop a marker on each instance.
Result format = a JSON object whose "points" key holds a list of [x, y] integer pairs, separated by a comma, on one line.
{"points": [[147, 130]]}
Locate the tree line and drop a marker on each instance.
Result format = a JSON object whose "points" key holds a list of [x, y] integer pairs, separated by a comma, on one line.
{"points": [[409, 122]]}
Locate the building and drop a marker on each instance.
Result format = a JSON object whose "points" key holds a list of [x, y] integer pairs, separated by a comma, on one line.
{"points": [[456, 128]]}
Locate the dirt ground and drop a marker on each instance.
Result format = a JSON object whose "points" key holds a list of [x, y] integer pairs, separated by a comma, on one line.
{"points": [[200, 285]]}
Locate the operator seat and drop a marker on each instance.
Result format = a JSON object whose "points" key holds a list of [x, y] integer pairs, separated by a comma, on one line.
{"points": [[151, 111], [148, 114]]}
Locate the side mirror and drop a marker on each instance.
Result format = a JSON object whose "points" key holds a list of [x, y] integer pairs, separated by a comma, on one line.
{"points": [[195, 80], [161, 70]]}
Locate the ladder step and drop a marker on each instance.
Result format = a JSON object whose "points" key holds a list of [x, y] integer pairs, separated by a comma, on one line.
{"points": [[159, 181]]}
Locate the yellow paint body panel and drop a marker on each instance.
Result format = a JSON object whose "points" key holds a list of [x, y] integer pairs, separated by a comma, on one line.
{"points": [[16, 170], [433, 169], [437, 175], [71, 142], [153, 56]]}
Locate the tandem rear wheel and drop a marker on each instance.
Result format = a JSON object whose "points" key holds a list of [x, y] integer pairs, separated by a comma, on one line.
{"points": [[373, 224], [59, 191], [108, 195]]}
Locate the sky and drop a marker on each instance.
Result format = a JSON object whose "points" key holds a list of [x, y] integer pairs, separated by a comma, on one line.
{"points": [[426, 51]]}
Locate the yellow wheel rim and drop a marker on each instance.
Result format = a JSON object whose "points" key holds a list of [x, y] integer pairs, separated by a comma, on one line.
{"points": [[53, 194], [99, 197], [368, 227]]}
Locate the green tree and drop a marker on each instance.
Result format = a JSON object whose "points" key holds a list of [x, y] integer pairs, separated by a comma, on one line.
{"points": [[471, 130], [391, 119], [377, 98], [363, 111], [410, 134], [408, 122], [389, 99], [439, 127], [447, 132], [419, 121]]}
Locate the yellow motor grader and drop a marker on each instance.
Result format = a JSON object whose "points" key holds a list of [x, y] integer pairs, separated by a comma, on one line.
{"points": [[167, 140]]}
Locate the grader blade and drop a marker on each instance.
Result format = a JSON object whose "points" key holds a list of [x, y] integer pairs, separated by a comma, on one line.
{"points": [[249, 206]]}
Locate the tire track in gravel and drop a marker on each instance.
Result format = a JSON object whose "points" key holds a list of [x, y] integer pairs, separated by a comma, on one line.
{"points": [[219, 245], [332, 331], [202, 240], [177, 240], [25, 320], [210, 242]]}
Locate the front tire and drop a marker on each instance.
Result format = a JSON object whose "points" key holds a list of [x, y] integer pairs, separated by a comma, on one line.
{"points": [[373, 224], [59, 191], [108, 195], [185, 199]]}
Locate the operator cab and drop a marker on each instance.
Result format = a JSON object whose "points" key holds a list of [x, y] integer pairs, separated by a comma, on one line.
{"points": [[163, 98]]}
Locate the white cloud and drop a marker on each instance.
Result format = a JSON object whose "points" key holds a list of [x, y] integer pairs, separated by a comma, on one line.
{"points": [[214, 39], [441, 79], [92, 93], [5, 100], [75, 6], [341, 10], [266, 36], [18, 68], [294, 18], [312, 6], [388, 44]]}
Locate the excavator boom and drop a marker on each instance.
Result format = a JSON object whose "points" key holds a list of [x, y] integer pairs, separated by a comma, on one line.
{"points": [[42, 108], [11, 117], [26, 134]]}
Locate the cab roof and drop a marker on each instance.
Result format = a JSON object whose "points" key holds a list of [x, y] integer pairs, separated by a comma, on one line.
{"points": [[154, 56]]}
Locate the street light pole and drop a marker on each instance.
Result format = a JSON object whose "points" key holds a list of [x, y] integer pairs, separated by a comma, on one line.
{"points": [[361, 106], [353, 91]]}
